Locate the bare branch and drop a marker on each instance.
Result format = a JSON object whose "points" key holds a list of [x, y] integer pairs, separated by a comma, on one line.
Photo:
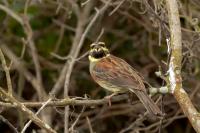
{"points": [[8, 123], [21, 68], [71, 129], [6, 69], [67, 101], [34, 54], [175, 66], [89, 125], [76, 48], [12, 14], [27, 112], [40, 109]]}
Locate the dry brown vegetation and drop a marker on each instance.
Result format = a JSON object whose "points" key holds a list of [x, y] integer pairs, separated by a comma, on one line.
{"points": [[45, 81]]}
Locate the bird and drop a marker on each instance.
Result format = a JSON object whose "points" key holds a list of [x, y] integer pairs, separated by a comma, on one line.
{"points": [[117, 76]]}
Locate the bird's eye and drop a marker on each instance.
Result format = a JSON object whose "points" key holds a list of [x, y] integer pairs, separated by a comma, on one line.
{"points": [[102, 45]]}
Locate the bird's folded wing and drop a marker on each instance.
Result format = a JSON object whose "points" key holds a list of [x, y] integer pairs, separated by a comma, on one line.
{"points": [[116, 71]]}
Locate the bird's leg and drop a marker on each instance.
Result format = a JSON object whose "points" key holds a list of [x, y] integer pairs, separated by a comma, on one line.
{"points": [[109, 98]]}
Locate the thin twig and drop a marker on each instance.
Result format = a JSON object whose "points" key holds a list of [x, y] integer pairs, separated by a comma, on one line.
{"points": [[6, 69], [29, 38], [117, 7], [84, 3], [61, 34], [23, 49], [100, 35], [67, 27], [21, 68], [27, 112], [82, 56], [141, 118], [67, 57], [8, 123], [71, 129], [89, 125], [26, 7], [27, 28], [164, 121], [59, 57], [40, 109], [12, 14]]}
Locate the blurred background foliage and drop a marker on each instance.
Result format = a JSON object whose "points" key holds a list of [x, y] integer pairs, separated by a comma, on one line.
{"points": [[136, 31]]}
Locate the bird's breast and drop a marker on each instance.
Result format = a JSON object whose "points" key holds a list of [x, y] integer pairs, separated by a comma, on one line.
{"points": [[111, 87], [104, 83]]}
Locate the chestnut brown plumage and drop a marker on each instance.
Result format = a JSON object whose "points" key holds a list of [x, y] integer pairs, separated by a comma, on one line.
{"points": [[117, 76]]}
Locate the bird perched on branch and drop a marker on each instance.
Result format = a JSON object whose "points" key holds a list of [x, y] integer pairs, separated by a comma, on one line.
{"points": [[117, 76]]}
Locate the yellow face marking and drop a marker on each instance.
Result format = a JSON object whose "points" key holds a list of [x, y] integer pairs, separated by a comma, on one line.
{"points": [[105, 49]]}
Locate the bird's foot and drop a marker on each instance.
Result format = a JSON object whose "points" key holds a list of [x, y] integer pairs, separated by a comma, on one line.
{"points": [[109, 98]]}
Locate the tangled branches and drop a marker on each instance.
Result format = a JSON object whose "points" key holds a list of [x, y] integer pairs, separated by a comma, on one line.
{"points": [[45, 44]]}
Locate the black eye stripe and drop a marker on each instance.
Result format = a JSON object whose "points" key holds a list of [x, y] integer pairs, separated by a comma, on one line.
{"points": [[102, 45]]}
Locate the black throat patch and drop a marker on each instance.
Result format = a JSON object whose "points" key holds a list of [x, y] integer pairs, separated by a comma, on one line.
{"points": [[98, 54]]}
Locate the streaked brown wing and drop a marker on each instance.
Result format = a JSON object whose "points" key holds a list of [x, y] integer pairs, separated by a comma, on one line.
{"points": [[116, 71]]}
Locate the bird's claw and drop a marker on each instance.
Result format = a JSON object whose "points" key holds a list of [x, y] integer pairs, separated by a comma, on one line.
{"points": [[109, 98]]}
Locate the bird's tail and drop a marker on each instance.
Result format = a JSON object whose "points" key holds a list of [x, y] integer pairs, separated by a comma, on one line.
{"points": [[148, 103]]}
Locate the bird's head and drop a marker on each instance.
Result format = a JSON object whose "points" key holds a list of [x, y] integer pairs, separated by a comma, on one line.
{"points": [[98, 50]]}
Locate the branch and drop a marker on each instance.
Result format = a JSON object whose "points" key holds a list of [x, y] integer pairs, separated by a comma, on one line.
{"points": [[19, 65], [175, 66], [67, 101], [33, 52], [26, 111], [8, 123], [77, 44], [6, 69], [12, 14], [25, 24], [29, 122]]}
